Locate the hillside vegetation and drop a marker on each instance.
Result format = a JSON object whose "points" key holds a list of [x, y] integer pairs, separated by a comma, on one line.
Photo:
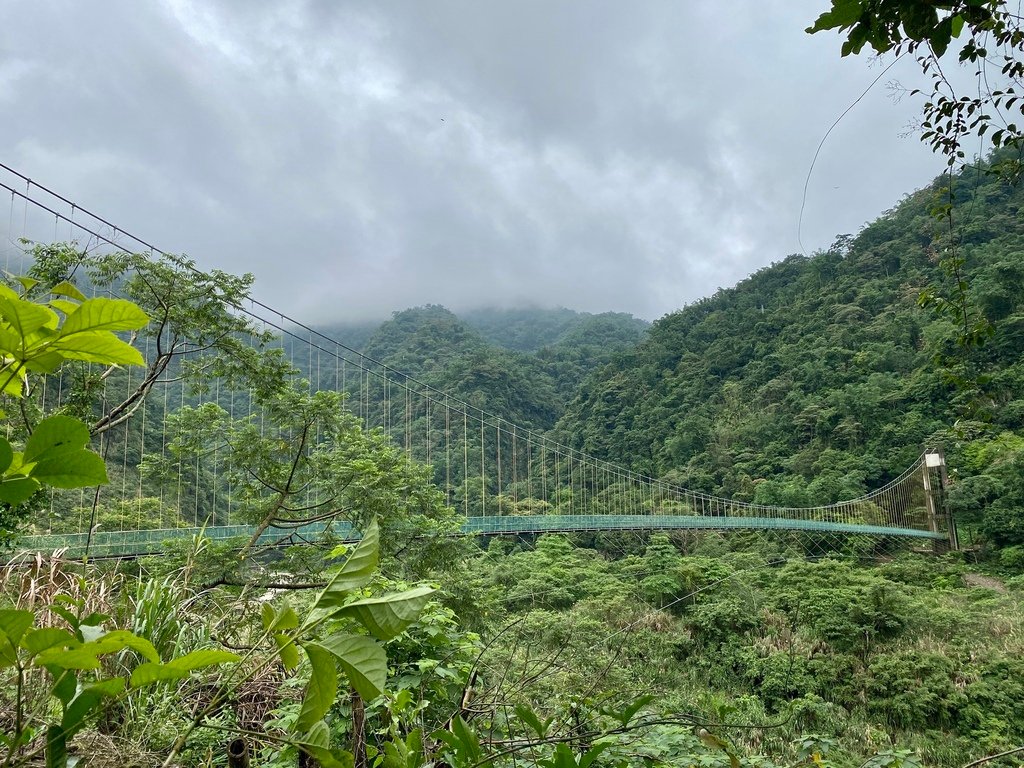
{"points": [[820, 377], [811, 381]]}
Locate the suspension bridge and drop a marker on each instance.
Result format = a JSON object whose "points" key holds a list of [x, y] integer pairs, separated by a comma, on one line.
{"points": [[504, 478]]}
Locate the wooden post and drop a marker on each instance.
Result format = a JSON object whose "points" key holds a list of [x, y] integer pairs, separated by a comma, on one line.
{"points": [[238, 753]]}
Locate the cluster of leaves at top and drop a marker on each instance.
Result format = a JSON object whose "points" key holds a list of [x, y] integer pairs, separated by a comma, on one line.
{"points": [[926, 30], [38, 338]]}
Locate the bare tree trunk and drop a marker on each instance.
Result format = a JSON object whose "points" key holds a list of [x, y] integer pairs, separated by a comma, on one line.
{"points": [[358, 731]]}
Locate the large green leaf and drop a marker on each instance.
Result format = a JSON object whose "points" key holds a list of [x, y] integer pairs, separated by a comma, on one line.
{"points": [[279, 619], [98, 347], [12, 379], [102, 314], [6, 455], [388, 615], [85, 700], [76, 710], [54, 436], [56, 747], [356, 571], [65, 306], [15, 490], [362, 660], [404, 754], [65, 288], [45, 362], [317, 743], [181, 668], [287, 650], [587, 758], [76, 470], [322, 688], [461, 740], [26, 317], [85, 656], [38, 640], [65, 683], [13, 626]]}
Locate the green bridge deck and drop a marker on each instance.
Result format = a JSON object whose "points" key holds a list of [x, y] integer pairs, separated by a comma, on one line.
{"points": [[147, 542]]}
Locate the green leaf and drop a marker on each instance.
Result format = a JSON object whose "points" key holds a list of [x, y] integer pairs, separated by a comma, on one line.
{"points": [[363, 662], [76, 470], [322, 688], [65, 288], [70, 617], [626, 714], [563, 757], [957, 25], [287, 650], [15, 623], [356, 571], [388, 615], [16, 490], [6, 455], [55, 436], [85, 656], [85, 701], [46, 362], [282, 618], [181, 668], [317, 743], [588, 757], [65, 306], [267, 615], [14, 378], [97, 347], [528, 716], [26, 317], [462, 739], [844, 13], [102, 314], [56, 747], [13, 626], [38, 640], [65, 684], [940, 36], [10, 342], [404, 754]]}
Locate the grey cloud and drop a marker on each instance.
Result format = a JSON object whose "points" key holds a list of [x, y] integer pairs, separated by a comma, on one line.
{"points": [[598, 155]]}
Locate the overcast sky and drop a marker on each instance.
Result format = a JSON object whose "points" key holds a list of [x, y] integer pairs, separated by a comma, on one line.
{"points": [[363, 157]]}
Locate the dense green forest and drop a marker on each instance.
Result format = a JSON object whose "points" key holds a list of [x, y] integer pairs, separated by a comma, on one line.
{"points": [[820, 376], [522, 364], [814, 380]]}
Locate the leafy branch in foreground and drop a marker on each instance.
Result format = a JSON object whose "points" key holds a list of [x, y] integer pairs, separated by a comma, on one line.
{"points": [[38, 337], [993, 45], [340, 635]]}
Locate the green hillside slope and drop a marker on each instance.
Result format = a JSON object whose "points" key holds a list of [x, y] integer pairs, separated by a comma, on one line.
{"points": [[816, 378]]}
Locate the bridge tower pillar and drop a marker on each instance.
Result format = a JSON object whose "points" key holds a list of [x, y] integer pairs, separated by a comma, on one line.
{"points": [[940, 516]]}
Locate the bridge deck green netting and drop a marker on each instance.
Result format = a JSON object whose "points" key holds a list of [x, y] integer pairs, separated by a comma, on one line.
{"points": [[502, 477], [127, 543]]}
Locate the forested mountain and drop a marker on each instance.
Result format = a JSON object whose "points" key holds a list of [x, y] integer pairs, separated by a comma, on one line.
{"points": [[813, 380], [817, 377], [532, 329], [522, 364]]}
